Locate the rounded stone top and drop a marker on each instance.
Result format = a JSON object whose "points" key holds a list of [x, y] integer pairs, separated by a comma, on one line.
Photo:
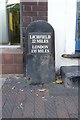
{"points": [[40, 26]]}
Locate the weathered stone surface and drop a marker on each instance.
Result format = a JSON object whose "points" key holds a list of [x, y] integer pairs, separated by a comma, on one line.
{"points": [[71, 76], [40, 52]]}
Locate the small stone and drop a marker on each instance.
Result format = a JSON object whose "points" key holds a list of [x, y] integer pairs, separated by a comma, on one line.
{"points": [[18, 82], [43, 97], [18, 107], [51, 96], [37, 95], [21, 90], [31, 90], [25, 78]]}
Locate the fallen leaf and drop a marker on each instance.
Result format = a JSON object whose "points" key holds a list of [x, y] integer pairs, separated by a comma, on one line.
{"points": [[17, 77], [21, 90], [21, 106], [13, 87], [53, 82], [43, 90], [59, 81]]}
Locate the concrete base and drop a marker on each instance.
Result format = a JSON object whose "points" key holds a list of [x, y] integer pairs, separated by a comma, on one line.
{"points": [[71, 76]]}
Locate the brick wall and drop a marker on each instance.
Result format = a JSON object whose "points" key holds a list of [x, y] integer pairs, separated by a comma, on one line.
{"points": [[11, 61], [32, 11]]}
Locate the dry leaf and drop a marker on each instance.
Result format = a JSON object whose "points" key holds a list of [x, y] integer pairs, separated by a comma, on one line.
{"points": [[21, 90], [21, 106], [43, 90], [59, 81], [13, 87], [17, 77]]}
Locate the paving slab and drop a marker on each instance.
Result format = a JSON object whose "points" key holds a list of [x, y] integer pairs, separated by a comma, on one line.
{"points": [[21, 100]]}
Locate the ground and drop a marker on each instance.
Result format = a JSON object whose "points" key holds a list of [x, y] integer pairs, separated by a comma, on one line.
{"points": [[51, 100]]}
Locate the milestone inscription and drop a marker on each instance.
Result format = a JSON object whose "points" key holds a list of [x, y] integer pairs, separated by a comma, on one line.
{"points": [[40, 52], [39, 43]]}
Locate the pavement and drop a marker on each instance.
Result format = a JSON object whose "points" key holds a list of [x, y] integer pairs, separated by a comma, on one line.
{"points": [[51, 100]]}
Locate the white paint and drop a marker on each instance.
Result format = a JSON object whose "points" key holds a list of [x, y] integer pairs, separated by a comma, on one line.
{"points": [[10, 46], [12, 2], [3, 23], [33, 0], [62, 16], [70, 25]]}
